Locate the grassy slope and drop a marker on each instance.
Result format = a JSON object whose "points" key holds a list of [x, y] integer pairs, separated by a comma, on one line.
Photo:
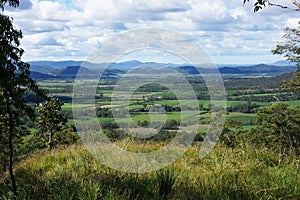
{"points": [[72, 173]]}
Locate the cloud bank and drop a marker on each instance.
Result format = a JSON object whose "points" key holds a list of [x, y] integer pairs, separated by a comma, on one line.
{"points": [[227, 30]]}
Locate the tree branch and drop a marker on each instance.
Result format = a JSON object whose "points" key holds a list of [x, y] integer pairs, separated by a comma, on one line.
{"points": [[286, 7], [296, 4], [259, 4]]}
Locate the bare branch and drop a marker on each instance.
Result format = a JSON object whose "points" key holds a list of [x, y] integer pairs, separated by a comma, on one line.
{"points": [[286, 7], [296, 4]]}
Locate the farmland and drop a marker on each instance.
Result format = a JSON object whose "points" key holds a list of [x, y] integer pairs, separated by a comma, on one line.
{"points": [[242, 165], [241, 103]]}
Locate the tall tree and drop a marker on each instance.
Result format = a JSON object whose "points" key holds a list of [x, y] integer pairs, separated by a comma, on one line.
{"points": [[15, 82], [50, 119], [3, 141]]}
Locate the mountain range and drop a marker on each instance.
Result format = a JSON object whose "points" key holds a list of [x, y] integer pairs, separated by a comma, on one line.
{"points": [[69, 69]]}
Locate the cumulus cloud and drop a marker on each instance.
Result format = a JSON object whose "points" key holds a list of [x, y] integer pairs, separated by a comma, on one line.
{"points": [[161, 6], [50, 41], [64, 29]]}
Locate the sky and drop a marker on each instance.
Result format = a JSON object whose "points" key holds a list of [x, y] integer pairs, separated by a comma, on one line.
{"points": [[227, 31]]}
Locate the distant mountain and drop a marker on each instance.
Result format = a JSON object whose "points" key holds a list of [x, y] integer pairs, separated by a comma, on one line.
{"points": [[38, 75], [188, 70], [125, 65], [283, 63], [226, 65], [269, 69], [69, 69], [277, 63], [73, 70], [55, 64], [230, 70], [52, 66], [49, 67], [254, 69], [41, 68], [191, 70]]}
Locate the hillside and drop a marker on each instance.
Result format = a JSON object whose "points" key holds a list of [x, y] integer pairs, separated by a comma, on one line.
{"points": [[72, 173], [73, 70], [268, 69], [37, 75]]}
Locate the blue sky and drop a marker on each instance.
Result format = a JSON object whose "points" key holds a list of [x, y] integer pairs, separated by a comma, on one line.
{"points": [[228, 31]]}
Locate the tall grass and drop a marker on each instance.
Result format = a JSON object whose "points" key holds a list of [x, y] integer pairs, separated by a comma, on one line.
{"points": [[241, 173], [165, 180]]}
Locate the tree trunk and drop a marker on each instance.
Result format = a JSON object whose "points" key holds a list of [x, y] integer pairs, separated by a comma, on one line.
{"points": [[4, 162], [3, 154], [50, 139], [11, 151]]}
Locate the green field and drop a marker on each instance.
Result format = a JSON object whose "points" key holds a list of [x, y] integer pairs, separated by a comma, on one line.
{"points": [[138, 100]]}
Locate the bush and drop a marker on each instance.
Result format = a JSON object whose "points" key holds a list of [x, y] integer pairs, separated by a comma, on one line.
{"points": [[280, 127]]}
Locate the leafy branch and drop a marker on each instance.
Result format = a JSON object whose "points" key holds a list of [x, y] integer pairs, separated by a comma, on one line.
{"points": [[259, 4]]}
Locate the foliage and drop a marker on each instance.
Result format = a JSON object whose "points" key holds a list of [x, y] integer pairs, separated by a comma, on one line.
{"points": [[104, 112], [280, 126], [231, 134], [3, 143], [13, 3], [283, 96], [171, 125], [113, 134], [15, 83], [51, 119], [291, 50], [289, 47], [293, 84], [243, 108], [259, 4], [259, 84]]}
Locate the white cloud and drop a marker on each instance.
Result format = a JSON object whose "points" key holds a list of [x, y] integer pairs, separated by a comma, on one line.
{"points": [[293, 22], [65, 29], [209, 11], [161, 6]]}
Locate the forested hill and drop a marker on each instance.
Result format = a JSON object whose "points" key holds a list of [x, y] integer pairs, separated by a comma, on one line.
{"points": [[258, 83], [253, 69]]}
